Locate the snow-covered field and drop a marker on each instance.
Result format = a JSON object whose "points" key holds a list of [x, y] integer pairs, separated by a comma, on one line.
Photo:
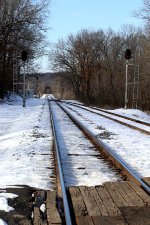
{"points": [[82, 163], [132, 113], [131, 146], [25, 146], [26, 143]]}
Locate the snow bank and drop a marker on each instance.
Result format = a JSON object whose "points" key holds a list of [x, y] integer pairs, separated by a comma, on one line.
{"points": [[4, 202], [133, 113], [2, 222], [25, 143]]}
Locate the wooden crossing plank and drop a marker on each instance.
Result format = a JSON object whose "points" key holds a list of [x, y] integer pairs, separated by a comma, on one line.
{"points": [[146, 180], [117, 220], [108, 202], [53, 216], [84, 220], [37, 219], [132, 194], [77, 202], [101, 220], [99, 202], [141, 193], [44, 223], [136, 215], [123, 202], [39, 200], [116, 196], [123, 193], [89, 200], [109, 220]]}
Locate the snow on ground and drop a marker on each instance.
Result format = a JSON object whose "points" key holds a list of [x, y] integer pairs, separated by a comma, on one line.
{"points": [[2, 222], [123, 120], [26, 140], [25, 144], [4, 203], [82, 163], [130, 145], [132, 113]]}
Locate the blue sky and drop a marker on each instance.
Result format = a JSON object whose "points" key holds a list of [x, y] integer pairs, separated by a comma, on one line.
{"points": [[70, 16]]}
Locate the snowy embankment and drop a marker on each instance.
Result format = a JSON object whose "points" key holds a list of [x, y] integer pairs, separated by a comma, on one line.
{"points": [[26, 141], [131, 146], [132, 113], [82, 164], [25, 144]]}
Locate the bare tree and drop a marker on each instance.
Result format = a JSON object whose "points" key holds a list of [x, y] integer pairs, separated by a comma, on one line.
{"points": [[96, 63], [144, 12], [21, 28]]}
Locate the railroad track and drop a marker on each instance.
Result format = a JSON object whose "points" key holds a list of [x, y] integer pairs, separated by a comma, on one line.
{"points": [[63, 188], [66, 155], [135, 124]]}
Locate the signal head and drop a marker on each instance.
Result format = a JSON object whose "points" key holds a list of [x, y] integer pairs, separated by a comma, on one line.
{"points": [[128, 54]]}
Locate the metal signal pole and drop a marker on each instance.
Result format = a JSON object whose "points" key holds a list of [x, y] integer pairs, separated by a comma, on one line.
{"points": [[127, 57], [24, 58], [126, 86], [24, 86]]}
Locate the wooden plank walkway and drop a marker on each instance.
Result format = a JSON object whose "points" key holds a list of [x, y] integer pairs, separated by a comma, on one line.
{"points": [[147, 180], [49, 216], [117, 203]]}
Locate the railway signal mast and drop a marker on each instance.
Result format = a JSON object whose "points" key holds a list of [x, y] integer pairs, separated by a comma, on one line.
{"points": [[135, 82], [24, 58], [127, 57], [15, 71]]}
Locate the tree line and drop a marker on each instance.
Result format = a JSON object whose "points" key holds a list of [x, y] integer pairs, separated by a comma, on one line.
{"points": [[94, 61], [22, 26]]}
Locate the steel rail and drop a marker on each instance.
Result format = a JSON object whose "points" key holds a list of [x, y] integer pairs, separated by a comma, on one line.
{"points": [[64, 194], [109, 152], [116, 120], [111, 113]]}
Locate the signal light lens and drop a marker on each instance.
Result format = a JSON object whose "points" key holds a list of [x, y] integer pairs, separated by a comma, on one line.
{"points": [[128, 54], [24, 55]]}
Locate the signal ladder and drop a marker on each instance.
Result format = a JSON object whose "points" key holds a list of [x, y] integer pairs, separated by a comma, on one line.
{"points": [[15, 71], [135, 86]]}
